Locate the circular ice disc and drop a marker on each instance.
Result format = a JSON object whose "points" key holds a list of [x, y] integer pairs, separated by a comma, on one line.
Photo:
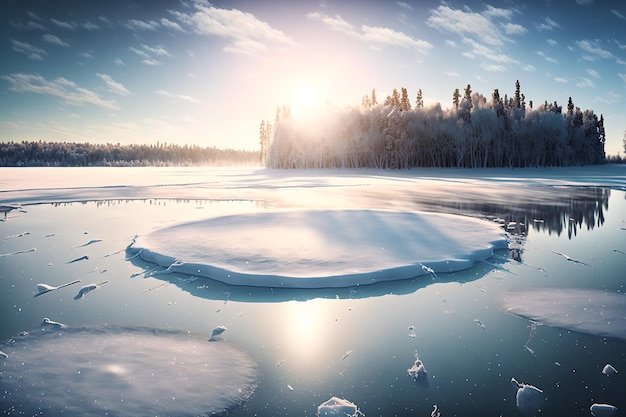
{"points": [[123, 372], [321, 248]]}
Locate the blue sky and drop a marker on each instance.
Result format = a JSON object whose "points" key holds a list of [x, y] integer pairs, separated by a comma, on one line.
{"points": [[207, 73]]}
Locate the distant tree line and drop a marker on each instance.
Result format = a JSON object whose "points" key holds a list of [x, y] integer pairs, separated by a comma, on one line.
{"points": [[474, 132], [31, 153]]}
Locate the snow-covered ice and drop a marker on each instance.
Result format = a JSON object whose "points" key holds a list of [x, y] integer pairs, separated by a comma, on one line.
{"points": [[529, 399], [124, 372], [321, 248], [593, 312], [609, 370], [603, 410], [338, 407]]}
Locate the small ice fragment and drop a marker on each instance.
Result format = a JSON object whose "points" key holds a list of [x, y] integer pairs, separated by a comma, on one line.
{"points": [[603, 410], [529, 349], [82, 258], [3, 355], [345, 355], [412, 328], [91, 242], [609, 370], [436, 412], [54, 324], [217, 331], [478, 322], [87, 288], [418, 370], [429, 270], [289, 387], [280, 362], [557, 363], [338, 407], [529, 399], [45, 288]]}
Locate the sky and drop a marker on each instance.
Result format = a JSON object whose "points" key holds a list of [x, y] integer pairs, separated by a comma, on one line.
{"points": [[200, 73]]}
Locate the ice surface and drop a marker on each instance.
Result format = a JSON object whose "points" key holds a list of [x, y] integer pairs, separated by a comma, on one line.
{"points": [[321, 248], [591, 312], [338, 407], [603, 410], [123, 372], [529, 399]]}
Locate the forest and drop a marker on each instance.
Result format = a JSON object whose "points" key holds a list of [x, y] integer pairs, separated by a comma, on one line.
{"points": [[31, 153], [474, 132]]}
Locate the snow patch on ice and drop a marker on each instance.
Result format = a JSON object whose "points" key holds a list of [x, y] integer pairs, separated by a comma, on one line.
{"points": [[321, 248], [124, 371], [338, 407], [593, 312]]}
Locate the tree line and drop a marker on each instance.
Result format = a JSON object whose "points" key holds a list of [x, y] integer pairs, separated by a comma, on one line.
{"points": [[474, 132], [38, 153]]}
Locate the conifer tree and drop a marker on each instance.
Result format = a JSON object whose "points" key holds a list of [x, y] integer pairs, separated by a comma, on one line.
{"points": [[419, 100], [405, 104], [456, 96], [517, 98], [373, 100]]}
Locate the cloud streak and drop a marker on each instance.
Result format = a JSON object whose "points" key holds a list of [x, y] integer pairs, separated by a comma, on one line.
{"points": [[113, 86], [373, 35], [60, 87]]}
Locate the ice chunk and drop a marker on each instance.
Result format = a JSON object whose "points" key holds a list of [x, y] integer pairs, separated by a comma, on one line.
{"points": [[418, 370], [321, 248], [603, 410], [87, 288], [46, 322], [593, 312], [338, 407], [45, 288], [609, 370], [218, 330], [529, 399], [124, 372]]}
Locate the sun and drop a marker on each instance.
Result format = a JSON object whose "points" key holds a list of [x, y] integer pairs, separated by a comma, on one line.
{"points": [[305, 97]]}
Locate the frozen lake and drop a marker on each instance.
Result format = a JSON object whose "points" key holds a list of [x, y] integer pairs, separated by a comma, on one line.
{"points": [[544, 309]]}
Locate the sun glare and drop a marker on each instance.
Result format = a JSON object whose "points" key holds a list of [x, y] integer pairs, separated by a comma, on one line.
{"points": [[305, 97]]}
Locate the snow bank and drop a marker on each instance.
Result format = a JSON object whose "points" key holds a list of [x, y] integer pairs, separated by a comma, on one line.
{"points": [[591, 312], [123, 372], [321, 248]]}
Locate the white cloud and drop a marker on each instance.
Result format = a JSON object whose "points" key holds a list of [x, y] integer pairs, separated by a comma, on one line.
{"points": [[171, 25], [547, 58], [55, 40], [528, 68], [451, 43], [513, 29], [32, 52], [618, 14], [64, 25], [404, 5], [472, 24], [552, 42], [593, 73], [61, 88], [141, 25], [180, 97], [114, 87], [594, 49], [622, 76], [493, 68], [244, 31], [584, 2], [139, 52], [487, 52], [585, 83], [157, 50], [375, 36], [547, 25], [610, 97], [89, 25], [560, 80], [451, 73], [151, 62], [118, 61]]}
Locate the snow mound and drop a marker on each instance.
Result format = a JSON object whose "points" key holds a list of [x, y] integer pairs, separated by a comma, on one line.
{"points": [[338, 407], [124, 372], [321, 248], [592, 312]]}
